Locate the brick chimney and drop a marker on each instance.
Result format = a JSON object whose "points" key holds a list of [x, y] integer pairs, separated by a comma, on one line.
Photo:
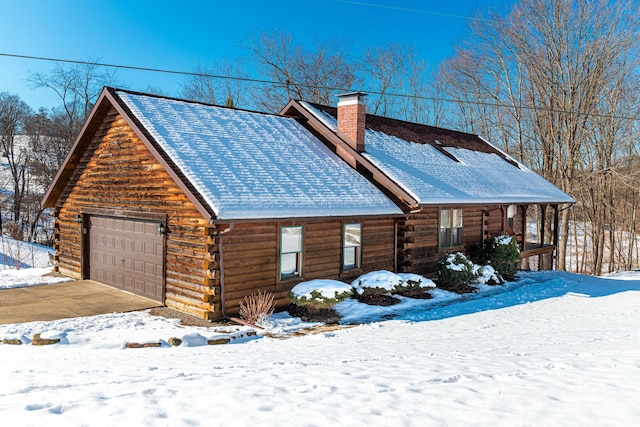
{"points": [[351, 118]]}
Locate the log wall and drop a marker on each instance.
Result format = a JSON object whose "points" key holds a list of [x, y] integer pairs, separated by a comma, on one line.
{"points": [[250, 255], [118, 174], [418, 237]]}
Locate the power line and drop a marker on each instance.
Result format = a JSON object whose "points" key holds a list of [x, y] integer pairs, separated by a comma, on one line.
{"points": [[426, 12], [309, 86]]}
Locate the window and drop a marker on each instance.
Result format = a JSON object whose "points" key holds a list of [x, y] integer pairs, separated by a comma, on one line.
{"points": [[450, 227], [290, 252], [351, 246], [511, 213]]}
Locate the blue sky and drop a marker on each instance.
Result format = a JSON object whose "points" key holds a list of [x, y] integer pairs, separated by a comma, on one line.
{"points": [[180, 35]]}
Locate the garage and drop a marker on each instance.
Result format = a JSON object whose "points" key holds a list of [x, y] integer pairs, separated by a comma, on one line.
{"points": [[127, 254]]}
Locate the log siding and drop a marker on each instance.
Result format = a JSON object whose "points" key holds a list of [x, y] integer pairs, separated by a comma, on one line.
{"points": [[251, 251], [418, 236], [118, 176]]}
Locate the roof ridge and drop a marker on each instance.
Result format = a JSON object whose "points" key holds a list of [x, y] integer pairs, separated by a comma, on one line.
{"points": [[113, 90], [398, 121]]}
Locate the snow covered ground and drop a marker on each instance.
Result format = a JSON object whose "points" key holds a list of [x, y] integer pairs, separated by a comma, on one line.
{"points": [[550, 349], [14, 253]]}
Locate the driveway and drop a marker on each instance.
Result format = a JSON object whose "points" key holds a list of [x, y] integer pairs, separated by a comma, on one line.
{"points": [[64, 300]]}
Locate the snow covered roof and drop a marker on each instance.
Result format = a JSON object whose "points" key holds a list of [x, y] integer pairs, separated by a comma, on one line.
{"points": [[441, 166], [249, 165]]}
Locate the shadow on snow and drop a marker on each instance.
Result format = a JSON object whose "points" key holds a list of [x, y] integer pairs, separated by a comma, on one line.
{"points": [[531, 287]]}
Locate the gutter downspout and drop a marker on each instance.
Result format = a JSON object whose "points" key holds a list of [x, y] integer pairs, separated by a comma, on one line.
{"points": [[223, 302], [395, 246]]}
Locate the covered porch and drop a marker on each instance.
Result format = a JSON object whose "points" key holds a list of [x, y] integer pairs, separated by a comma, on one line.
{"points": [[534, 252]]}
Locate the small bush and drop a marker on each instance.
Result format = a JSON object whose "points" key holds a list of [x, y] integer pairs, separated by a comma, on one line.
{"points": [[320, 293], [455, 271], [502, 253], [377, 283], [487, 275], [256, 308], [415, 286], [414, 281]]}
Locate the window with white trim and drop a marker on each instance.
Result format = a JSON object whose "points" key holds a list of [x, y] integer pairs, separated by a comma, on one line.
{"points": [[450, 227], [351, 246], [290, 252]]}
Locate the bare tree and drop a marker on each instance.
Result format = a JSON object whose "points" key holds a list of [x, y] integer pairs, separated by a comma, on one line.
{"points": [[297, 73], [13, 114], [540, 78], [394, 70], [77, 88], [220, 83]]}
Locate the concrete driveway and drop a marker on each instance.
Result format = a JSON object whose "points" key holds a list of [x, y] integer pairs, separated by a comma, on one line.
{"points": [[64, 300]]}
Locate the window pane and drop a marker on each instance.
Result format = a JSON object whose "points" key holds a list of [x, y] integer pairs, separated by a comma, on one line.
{"points": [[511, 211], [291, 240], [445, 237], [349, 257], [457, 235], [445, 227], [289, 264], [445, 218], [352, 235], [457, 218]]}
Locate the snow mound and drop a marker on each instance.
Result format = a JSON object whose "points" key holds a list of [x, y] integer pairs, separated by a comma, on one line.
{"points": [[487, 275], [28, 277], [413, 279], [384, 280], [325, 287]]}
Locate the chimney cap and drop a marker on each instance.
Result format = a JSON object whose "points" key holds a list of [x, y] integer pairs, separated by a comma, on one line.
{"points": [[350, 95]]}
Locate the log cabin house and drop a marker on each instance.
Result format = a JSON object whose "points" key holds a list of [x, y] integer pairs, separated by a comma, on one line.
{"points": [[455, 188], [197, 206]]}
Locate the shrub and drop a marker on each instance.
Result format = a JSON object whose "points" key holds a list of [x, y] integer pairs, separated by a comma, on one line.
{"points": [[502, 253], [415, 286], [487, 275], [412, 280], [320, 293], [455, 271], [256, 308], [377, 283]]}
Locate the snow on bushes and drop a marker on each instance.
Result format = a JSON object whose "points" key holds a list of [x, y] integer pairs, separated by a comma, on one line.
{"points": [[372, 288], [487, 275], [416, 280], [455, 270], [320, 293], [377, 282], [502, 253]]}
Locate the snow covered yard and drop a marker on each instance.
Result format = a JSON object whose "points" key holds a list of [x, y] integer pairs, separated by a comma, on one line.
{"points": [[16, 253], [550, 349]]}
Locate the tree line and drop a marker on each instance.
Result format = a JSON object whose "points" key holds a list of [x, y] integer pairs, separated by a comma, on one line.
{"points": [[552, 82]]}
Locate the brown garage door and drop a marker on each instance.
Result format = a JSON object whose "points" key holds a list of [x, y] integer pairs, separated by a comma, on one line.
{"points": [[127, 254]]}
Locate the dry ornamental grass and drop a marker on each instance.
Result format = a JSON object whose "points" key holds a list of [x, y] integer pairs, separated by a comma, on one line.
{"points": [[257, 307]]}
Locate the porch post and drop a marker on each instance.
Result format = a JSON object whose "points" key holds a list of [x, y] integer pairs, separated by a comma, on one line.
{"points": [[524, 226], [543, 220], [556, 220]]}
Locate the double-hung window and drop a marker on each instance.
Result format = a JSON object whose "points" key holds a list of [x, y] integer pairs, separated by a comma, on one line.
{"points": [[512, 210], [290, 252], [351, 246], [450, 227]]}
